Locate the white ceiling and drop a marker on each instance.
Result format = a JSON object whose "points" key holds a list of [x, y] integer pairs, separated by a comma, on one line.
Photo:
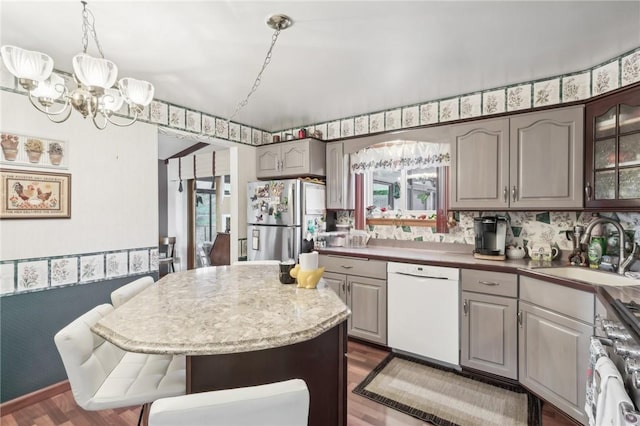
{"points": [[340, 58]]}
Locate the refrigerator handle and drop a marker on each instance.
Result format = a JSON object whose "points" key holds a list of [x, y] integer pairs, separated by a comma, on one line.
{"points": [[291, 203], [289, 241]]}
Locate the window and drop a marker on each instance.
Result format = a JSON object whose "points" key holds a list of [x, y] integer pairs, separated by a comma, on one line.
{"points": [[415, 189], [403, 181]]}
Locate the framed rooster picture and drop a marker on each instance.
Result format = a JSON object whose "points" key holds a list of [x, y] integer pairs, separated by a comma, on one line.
{"points": [[34, 195]]}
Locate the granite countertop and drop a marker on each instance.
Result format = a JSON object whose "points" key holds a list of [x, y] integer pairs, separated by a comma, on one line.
{"points": [[220, 310]]}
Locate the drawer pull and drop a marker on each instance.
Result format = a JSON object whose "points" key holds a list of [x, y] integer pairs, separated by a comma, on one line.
{"points": [[489, 283], [346, 267]]}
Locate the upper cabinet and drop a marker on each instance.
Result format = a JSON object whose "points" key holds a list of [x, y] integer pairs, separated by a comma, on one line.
{"points": [[525, 161], [340, 183], [304, 157], [612, 178]]}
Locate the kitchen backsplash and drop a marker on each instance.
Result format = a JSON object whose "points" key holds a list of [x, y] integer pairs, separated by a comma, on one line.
{"points": [[532, 228]]}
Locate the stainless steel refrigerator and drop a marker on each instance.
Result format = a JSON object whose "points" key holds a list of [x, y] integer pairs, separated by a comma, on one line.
{"points": [[280, 214]]}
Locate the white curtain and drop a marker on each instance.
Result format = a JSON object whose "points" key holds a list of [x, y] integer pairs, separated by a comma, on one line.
{"points": [[400, 155]]}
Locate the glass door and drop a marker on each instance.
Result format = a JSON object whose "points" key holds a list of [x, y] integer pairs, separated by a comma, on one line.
{"points": [[205, 221], [613, 151]]}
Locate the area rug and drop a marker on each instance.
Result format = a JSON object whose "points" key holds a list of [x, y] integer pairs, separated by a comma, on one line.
{"points": [[446, 397]]}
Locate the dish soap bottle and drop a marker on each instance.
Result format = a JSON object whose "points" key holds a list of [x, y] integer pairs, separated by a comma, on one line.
{"points": [[594, 253]]}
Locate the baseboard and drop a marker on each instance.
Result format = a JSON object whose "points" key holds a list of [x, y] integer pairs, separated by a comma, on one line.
{"points": [[34, 397]]}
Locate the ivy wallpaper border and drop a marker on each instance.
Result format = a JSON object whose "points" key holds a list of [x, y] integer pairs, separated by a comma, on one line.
{"points": [[45, 273], [606, 76]]}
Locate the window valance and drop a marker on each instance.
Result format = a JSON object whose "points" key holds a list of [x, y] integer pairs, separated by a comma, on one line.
{"points": [[400, 155]]}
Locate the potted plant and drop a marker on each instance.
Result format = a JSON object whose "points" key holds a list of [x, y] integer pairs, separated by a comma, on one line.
{"points": [[34, 149], [9, 146], [55, 153]]}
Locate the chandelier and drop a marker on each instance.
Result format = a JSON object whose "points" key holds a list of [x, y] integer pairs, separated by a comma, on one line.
{"points": [[95, 95]]}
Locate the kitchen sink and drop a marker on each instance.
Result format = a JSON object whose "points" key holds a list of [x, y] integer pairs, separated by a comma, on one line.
{"points": [[590, 276]]}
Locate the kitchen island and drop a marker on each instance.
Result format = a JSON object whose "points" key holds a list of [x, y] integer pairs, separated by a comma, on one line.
{"points": [[238, 326]]}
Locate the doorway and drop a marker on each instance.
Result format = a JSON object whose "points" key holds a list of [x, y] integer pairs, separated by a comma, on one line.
{"points": [[210, 215]]}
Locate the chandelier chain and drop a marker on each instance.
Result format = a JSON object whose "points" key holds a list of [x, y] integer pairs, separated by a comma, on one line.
{"points": [[258, 80], [88, 26]]}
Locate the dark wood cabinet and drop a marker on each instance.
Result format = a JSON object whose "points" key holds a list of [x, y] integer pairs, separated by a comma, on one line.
{"points": [[612, 166]]}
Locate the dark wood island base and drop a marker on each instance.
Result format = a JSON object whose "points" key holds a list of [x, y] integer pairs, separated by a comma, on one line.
{"points": [[321, 362]]}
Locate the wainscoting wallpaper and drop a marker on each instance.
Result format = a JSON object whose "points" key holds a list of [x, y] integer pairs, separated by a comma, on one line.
{"points": [[27, 275]]}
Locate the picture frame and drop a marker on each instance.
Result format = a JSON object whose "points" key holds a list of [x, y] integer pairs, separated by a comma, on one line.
{"points": [[26, 194]]}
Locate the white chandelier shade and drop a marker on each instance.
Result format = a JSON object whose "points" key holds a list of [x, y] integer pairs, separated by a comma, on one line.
{"points": [[94, 72], [51, 88], [27, 64], [136, 92]]}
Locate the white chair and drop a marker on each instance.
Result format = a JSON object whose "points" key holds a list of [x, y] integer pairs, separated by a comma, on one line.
{"points": [[274, 404], [127, 291], [103, 376], [256, 262]]}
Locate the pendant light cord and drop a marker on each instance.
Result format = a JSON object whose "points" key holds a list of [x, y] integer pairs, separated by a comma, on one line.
{"points": [[278, 23], [89, 26], [258, 80]]}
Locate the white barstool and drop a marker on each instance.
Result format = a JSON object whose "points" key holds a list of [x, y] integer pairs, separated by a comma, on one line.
{"points": [[275, 404], [127, 291], [103, 376]]}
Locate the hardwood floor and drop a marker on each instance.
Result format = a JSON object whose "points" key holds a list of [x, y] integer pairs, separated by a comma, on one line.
{"points": [[62, 410]]}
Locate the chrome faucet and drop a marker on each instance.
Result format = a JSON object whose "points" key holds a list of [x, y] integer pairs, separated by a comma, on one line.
{"points": [[623, 263]]}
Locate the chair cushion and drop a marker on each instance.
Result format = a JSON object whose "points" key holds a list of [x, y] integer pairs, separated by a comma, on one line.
{"points": [[127, 291], [275, 404], [139, 379]]}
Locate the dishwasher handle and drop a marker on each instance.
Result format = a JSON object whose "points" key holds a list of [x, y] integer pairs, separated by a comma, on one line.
{"points": [[420, 276]]}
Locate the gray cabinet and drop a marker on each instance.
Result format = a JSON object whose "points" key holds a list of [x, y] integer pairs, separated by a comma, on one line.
{"points": [[340, 185], [364, 290], [488, 331], [532, 160], [480, 164], [555, 324], [305, 157]]}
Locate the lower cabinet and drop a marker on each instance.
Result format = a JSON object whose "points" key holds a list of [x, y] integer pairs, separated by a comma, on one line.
{"points": [[488, 322], [554, 343], [489, 334], [366, 296]]}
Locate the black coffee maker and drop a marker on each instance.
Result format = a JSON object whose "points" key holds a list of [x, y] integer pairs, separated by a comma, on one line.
{"points": [[491, 234]]}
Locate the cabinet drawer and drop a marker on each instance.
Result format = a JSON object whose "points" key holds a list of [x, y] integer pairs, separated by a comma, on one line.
{"points": [[567, 301], [354, 266], [498, 283]]}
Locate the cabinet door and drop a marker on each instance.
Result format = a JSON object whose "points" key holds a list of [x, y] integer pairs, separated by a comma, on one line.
{"points": [[295, 158], [367, 298], [268, 161], [546, 151], [488, 339], [613, 151], [554, 357], [337, 283], [480, 165]]}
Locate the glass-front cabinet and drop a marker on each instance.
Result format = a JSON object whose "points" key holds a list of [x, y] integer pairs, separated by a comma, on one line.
{"points": [[613, 151]]}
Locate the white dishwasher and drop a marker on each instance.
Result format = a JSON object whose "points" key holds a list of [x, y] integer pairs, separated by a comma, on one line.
{"points": [[422, 308]]}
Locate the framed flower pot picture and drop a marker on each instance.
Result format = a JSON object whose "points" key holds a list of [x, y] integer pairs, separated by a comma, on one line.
{"points": [[34, 195]]}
